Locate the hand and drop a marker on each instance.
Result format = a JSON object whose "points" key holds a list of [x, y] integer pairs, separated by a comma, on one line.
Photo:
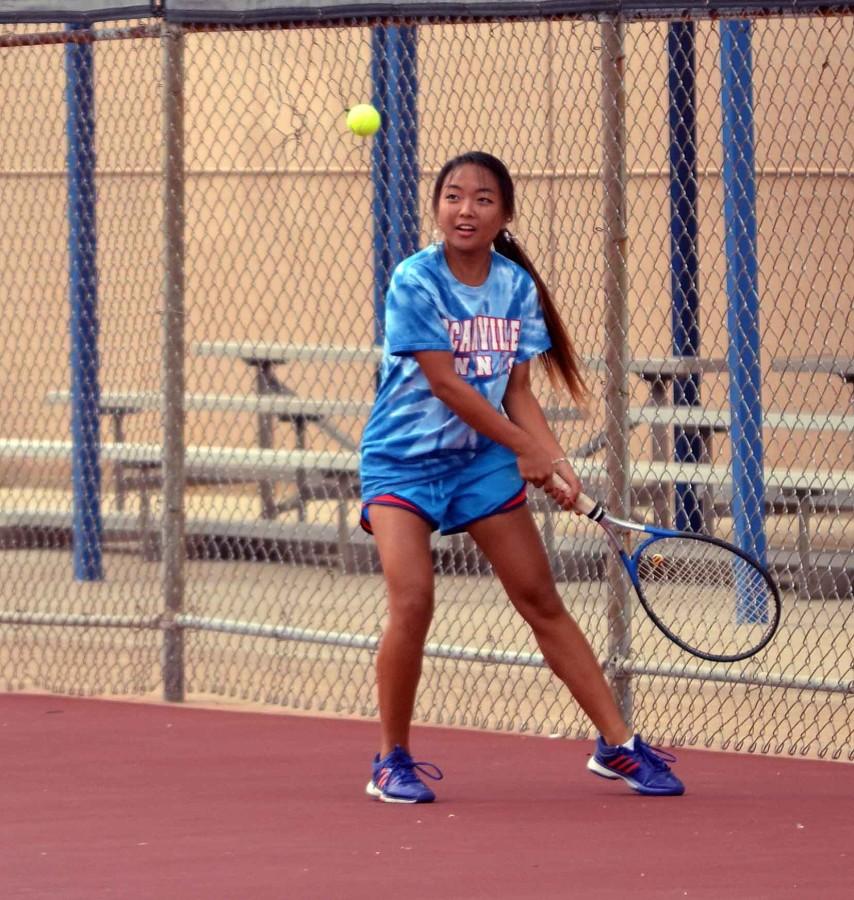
{"points": [[565, 488], [536, 466]]}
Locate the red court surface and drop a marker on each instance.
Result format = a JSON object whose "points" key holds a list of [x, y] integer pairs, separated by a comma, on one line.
{"points": [[109, 799]]}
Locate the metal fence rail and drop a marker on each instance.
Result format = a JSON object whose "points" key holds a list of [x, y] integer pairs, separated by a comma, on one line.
{"points": [[196, 251]]}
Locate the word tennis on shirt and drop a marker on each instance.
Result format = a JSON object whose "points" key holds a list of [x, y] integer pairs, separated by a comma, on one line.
{"points": [[474, 338]]}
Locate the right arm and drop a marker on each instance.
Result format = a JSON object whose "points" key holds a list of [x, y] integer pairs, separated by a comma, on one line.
{"points": [[533, 459]]}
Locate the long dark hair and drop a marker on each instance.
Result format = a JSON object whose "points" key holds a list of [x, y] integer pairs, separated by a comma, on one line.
{"points": [[561, 360]]}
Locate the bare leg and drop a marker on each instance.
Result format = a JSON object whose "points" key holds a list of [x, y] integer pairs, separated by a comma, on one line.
{"points": [[513, 545], [403, 541]]}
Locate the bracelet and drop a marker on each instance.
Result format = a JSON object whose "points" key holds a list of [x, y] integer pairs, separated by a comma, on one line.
{"points": [[560, 459]]}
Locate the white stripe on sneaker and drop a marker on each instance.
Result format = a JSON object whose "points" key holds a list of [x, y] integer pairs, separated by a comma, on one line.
{"points": [[598, 769], [373, 791]]}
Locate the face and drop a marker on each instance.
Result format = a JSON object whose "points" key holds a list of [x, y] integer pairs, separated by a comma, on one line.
{"points": [[470, 211]]}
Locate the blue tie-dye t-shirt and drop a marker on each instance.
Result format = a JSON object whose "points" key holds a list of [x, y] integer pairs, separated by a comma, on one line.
{"points": [[411, 436]]}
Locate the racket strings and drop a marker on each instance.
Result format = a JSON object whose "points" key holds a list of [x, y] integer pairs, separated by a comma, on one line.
{"points": [[706, 595]]}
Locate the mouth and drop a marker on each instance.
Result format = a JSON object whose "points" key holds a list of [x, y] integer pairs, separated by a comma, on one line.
{"points": [[465, 229]]}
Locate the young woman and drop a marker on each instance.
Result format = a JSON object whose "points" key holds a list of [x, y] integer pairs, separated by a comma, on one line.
{"points": [[464, 318]]}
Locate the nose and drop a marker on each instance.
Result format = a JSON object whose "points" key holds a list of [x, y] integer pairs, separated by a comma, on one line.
{"points": [[467, 208]]}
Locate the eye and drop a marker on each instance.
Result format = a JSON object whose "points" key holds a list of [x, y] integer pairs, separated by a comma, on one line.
{"points": [[452, 196]]}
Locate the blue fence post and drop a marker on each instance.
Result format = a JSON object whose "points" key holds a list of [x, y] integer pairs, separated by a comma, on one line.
{"points": [[394, 161], [745, 373], [82, 237], [684, 259]]}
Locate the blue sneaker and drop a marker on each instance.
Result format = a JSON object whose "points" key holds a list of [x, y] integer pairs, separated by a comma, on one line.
{"points": [[644, 769], [394, 779]]}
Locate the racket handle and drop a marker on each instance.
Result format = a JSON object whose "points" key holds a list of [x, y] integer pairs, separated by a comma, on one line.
{"points": [[588, 507]]}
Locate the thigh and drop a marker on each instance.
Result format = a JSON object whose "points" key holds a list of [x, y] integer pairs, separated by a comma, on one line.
{"points": [[403, 542], [511, 542]]}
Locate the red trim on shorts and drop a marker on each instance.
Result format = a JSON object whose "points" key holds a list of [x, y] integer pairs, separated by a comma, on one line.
{"points": [[517, 500], [513, 502], [391, 500]]}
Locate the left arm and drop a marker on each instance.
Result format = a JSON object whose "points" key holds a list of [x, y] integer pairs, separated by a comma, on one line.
{"points": [[524, 410]]}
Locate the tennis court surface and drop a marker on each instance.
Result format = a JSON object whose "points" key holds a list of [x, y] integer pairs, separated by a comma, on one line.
{"points": [[137, 800]]}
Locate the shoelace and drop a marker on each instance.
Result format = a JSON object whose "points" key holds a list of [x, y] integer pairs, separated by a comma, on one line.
{"points": [[405, 770], [655, 756]]}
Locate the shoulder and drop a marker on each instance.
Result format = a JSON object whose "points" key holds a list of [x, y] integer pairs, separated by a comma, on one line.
{"points": [[419, 270], [516, 279]]}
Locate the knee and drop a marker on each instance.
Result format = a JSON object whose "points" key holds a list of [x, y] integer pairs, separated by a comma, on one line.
{"points": [[540, 609], [411, 611]]}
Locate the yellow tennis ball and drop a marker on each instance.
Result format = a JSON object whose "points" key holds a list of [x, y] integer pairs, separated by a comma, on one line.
{"points": [[363, 120]]}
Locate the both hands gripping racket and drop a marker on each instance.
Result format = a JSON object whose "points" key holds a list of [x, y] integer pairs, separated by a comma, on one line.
{"points": [[706, 595]]}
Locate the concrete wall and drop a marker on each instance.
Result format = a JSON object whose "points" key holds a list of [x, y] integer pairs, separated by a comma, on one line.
{"points": [[279, 229]]}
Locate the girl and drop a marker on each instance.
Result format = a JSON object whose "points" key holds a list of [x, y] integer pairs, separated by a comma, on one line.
{"points": [[464, 318]]}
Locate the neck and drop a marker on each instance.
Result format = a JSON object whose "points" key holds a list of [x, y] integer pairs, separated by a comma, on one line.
{"points": [[469, 268]]}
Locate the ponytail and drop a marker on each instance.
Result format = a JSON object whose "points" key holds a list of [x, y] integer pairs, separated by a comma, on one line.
{"points": [[560, 362]]}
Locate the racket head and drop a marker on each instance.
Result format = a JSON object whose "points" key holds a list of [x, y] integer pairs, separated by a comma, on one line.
{"points": [[706, 595]]}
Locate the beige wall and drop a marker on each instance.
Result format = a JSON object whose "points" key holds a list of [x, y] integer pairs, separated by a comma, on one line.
{"points": [[278, 200]]}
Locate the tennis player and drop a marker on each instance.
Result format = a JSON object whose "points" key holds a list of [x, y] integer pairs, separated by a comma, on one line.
{"points": [[463, 320]]}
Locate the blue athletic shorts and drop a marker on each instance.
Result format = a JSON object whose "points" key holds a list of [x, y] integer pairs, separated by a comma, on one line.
{"points": [[454, 502]]}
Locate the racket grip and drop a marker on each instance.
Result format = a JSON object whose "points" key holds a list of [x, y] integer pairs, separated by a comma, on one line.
{"points": [[588, 507]]}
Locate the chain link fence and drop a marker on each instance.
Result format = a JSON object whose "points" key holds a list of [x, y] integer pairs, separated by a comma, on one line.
{"points": [[195, 249]]}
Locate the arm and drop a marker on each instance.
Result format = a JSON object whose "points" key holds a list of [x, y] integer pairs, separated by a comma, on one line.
{"points": [[534, 461], [524, 410]]}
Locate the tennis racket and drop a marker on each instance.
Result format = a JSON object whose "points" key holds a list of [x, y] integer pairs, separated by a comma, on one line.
{"points": [[706, 595]]}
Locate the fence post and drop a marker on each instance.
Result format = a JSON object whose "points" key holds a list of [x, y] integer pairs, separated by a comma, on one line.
{"points": [[394, 158], [684, 256], [172, 362], [742, 279], [82, 246], [612, 63]]}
